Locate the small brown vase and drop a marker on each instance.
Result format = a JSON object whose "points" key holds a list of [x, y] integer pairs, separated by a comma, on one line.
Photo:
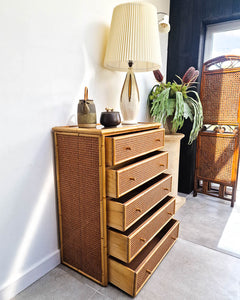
{"points": [[110, 118]]}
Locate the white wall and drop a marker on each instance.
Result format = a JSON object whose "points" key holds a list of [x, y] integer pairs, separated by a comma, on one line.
{"points": [[49, 50]]}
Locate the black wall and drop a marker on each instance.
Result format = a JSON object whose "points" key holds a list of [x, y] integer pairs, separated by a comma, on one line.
{"points": [[188, 19]]}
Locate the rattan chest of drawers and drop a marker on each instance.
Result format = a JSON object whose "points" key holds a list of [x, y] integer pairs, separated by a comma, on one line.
{"points": [[115, 211]]}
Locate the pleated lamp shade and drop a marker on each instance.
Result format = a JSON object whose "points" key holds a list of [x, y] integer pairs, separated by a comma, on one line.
{"points": [[133, 37]]}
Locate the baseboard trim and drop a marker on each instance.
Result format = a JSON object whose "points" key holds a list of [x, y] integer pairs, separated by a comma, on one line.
{"points": [[9, 290]]}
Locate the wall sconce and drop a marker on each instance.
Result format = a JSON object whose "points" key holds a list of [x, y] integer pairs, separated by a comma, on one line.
{"points": [[163, 22]]}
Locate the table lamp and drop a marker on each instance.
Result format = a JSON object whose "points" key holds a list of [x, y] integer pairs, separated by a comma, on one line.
{"points": [[133, 45]]}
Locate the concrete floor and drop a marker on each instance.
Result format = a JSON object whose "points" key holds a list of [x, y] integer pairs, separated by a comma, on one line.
{"points": [[211, 222], [203, 264]]}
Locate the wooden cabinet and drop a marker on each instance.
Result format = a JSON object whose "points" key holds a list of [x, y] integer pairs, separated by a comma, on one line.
{"points": [[115, 209]]}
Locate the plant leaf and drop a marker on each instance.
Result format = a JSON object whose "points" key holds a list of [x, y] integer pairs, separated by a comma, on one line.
{"points": [[171, 107], [198, 117], [149, 101], [159, 106], [188, 111], [178, 119]]}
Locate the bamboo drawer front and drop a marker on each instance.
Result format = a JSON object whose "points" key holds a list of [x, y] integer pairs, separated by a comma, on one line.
{"points": [[125, 246], [127, 210], [132, 276], [124, 179], [124, 147]]}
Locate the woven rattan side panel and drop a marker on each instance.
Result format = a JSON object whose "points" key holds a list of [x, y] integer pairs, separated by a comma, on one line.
{"points": [[220, 94], [79, 192], [215, 157]]}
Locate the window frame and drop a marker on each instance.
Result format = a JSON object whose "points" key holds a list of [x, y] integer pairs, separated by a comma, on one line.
{"points": [[215, 28]]}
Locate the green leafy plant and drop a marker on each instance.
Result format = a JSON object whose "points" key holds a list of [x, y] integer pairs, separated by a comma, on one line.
{"points": [[177, 101]]}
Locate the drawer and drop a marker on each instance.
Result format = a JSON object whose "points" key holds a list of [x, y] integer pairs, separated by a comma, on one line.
{"points": [[124, 147], [124, 179], [132, 276], [125, 246], [124, 212]]}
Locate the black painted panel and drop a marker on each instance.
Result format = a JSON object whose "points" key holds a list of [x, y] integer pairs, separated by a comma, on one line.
{"points": [[235, 6]]}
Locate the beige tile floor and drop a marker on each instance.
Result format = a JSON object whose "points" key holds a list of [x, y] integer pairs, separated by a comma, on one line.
{"points": [[203, 264]]}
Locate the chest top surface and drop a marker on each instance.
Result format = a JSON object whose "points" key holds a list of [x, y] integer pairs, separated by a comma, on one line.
{"points": [[100, 130]]}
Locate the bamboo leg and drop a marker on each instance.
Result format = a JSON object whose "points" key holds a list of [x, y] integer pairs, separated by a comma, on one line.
{"points": [[195, 187], [222, 190], [233, 196], [205, 186]]}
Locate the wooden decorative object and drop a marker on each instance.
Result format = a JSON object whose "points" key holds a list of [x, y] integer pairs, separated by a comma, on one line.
{"points": [[218, 146], [110, 182]]}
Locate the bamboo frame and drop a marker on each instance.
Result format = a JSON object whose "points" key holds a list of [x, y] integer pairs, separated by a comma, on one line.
{"points": [[100, 130]]}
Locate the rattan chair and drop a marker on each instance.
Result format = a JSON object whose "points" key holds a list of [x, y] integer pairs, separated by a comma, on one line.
{"points": [[217, 156]]}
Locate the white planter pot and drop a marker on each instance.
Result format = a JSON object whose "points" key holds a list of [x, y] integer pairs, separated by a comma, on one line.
{"points": [[172, 145]]}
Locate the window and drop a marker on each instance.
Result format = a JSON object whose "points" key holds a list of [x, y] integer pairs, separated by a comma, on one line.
{"points": [[222, 39]]}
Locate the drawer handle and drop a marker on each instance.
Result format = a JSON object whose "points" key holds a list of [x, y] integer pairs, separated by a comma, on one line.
{"points": [[138, 209], [128, 148], [143, 240], [169, 213], [166, 189], [149, 271], [162, 165], [172, 237], [132, 178], [158, 140]]}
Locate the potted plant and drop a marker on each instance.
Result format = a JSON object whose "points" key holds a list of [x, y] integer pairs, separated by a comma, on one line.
{"points": [[171, 103]]}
